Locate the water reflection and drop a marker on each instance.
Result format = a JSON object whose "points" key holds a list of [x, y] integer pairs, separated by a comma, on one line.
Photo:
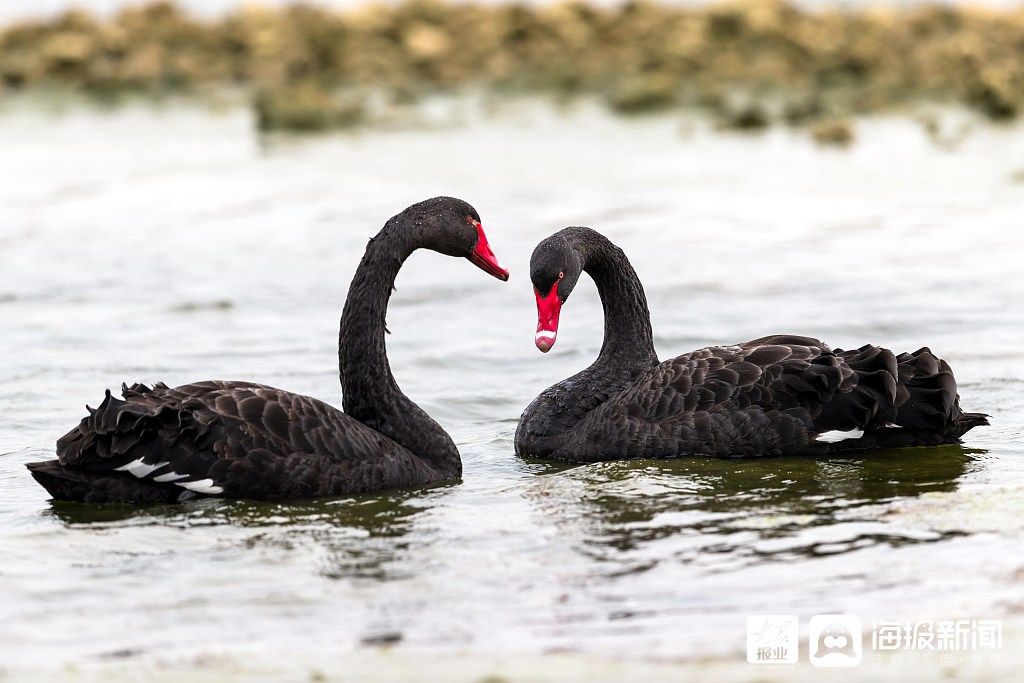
{"points": [[724, 514], [377, 515], [356, 537], [630, 516]]}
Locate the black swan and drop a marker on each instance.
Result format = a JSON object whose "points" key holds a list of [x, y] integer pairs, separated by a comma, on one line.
{"points": [[778, 395], [237, 439]]}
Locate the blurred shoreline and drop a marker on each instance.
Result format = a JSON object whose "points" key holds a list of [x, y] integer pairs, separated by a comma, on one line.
{"points": [[747, 64]]}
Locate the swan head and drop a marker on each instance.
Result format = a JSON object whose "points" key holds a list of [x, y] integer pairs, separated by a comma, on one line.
{"points": [[555, 268], [452, 227]]}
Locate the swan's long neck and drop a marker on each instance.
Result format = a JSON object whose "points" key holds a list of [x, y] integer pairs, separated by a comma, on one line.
{"points": [[370, 393], [627, 351], [628, 339]]}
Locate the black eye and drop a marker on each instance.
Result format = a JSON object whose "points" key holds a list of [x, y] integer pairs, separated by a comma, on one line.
{"points": [[561, 274]]}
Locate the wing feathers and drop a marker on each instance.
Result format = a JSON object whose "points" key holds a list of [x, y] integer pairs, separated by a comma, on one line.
{"points": [[228, 438], [774, 395]]}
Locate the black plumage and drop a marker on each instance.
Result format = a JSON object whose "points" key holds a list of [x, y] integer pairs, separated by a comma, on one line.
{"points": [[781, 394], [238, 439]]}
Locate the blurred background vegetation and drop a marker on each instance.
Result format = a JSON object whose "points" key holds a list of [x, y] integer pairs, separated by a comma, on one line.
{"points": [[750, 64]]}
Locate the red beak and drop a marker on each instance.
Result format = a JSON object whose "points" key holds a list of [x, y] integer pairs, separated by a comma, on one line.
{"points": [[548, 308], [484, 258]]}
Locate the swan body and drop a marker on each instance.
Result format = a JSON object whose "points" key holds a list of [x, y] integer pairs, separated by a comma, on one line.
{"points": [[239, 439], [777, 395]]}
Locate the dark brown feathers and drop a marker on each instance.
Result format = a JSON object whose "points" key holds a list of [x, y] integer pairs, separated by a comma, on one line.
{"points": [[240, 439]]}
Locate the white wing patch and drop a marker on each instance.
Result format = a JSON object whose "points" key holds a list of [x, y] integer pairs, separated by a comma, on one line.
{"points": [[836, 436], [201, 486], [170, 476], [141, 469]]}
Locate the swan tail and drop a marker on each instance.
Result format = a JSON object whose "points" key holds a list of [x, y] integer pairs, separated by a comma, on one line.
{"points": [[964, 424], [924, 410], [95, 459], [927, 396], [927, 399], [84, 486]]}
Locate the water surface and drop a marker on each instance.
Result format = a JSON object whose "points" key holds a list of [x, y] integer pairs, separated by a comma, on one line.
{"points": [[173, 245]]}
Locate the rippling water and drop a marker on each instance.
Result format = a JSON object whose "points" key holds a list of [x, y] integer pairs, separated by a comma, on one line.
{"points": [[175, 246]]}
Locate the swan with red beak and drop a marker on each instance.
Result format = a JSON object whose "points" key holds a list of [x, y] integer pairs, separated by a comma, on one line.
{"points": [[782, 394], [243, 440]]}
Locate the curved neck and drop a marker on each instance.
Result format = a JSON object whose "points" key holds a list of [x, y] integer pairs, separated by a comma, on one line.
{"points": [[627, 351], [369, 391], [628, 338]]}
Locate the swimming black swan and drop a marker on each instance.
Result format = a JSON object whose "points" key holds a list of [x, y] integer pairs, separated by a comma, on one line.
{"points": [[776, 395], [247, 440]]}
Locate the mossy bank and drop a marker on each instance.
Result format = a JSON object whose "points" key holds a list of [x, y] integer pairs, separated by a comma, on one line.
{"points": [[750, 64]]}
